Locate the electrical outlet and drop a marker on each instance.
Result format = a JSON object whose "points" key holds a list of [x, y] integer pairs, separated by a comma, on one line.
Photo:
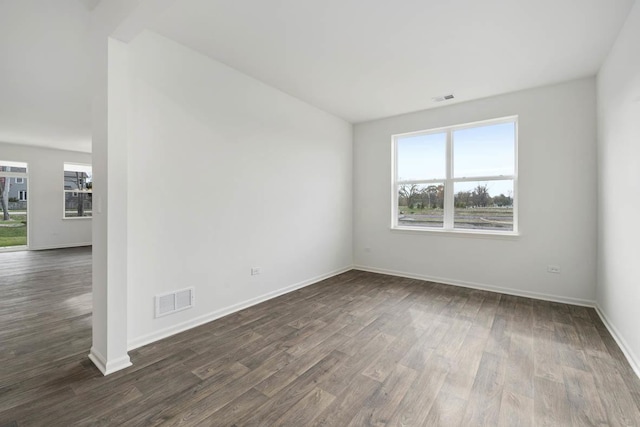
{"points": [[553, 269], [255, 271]]}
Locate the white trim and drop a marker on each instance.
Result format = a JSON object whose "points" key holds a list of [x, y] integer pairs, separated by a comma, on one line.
{"points": [[516, 190], [62, 246], [481, 286], [633, 360], [108, 367], [501, 120], [206, 318], [449, 196], [459, 232]]}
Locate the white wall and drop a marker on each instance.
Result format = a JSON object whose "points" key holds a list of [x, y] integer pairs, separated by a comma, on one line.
{"points": [[557, 199], [619, 187], [47, 229], [226, 173]]}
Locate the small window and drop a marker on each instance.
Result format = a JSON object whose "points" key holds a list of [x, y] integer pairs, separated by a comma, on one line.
{"points": [[78, 189], [22, 196], [19, 180], [459, 178]]}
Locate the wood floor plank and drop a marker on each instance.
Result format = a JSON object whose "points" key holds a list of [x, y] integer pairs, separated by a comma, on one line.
{"points": [[348, 403], [382, 404], [551, 407], [582, 394], [546, 356], [306, 409], [423, 393], [483, 407], [516, 410], [358, 348], [228, 414], [277, 406], [519, 370], [618, 402]]}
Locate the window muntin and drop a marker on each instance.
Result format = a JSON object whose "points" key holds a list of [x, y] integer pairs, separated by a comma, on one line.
{"points": [[480, 178], [78, 188]]}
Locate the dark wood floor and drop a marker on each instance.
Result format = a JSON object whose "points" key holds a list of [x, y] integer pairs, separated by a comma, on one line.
{"points": [[358, 349]]}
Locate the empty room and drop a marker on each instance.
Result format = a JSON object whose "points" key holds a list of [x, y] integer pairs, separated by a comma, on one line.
{"points": [[319, 213]]}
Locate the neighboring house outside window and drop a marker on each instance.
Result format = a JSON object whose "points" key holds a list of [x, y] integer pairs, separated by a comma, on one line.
{"points": [[78, 185], [17, 187]]}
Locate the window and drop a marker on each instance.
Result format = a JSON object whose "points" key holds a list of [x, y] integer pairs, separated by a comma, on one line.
{"points": [[22, 196], [459, 178], [78, 184], [19, 180]]}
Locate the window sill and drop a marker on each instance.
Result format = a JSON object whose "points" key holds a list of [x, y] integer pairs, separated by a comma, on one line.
{"points": [[73, 218], [483, 234]]}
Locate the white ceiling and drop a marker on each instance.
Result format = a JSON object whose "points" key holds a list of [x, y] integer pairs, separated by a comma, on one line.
{"points": [[364, 59], [357, 59], [44, 73], [90, 4]]}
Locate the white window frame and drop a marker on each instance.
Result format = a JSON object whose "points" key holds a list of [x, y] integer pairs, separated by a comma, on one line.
{"points": [[449, 181], [22, 195], [74, 192], [19, 181]]}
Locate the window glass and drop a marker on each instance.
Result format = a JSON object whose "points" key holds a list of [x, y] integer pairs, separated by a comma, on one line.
{"points": [[484, 151], [421, 205], [486, 205], [78, 187], [422, 157]]}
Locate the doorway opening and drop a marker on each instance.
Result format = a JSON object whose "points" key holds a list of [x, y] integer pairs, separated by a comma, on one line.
{"points": [[14, 201]]}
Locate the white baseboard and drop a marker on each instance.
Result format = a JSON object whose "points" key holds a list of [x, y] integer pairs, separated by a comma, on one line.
{"points": [[181, 327], [633, 360], [111, 366], [481, 286], [70, 245]]}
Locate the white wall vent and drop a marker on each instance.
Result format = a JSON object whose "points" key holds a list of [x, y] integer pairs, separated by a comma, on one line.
{"points": [[443, 98], [173, 302]]}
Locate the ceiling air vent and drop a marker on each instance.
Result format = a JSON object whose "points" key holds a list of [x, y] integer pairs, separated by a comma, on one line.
{"points": [[173, 302], [443, 98]]}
